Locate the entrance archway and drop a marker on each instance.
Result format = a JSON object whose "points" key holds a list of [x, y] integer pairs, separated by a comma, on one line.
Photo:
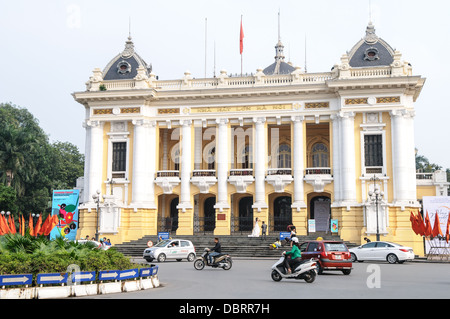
{"points": [[246, 213], [209, 223], [320, 211], [174, 214], [282, 213]]}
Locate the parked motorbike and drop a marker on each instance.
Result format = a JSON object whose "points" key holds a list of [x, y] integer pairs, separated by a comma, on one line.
{"points": [[306, 269], [220, 261]]}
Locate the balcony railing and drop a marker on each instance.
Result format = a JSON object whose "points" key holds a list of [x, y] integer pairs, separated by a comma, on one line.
{"points": [[279, 171], [318, 171], [204, 173], [168, 174], [241, 172]]}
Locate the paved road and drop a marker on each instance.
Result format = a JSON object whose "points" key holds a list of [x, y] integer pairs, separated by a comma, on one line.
{"points": [[250, 279]]}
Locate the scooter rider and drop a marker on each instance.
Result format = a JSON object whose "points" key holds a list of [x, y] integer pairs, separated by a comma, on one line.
{"points": [[295, 255], [215, 251]]}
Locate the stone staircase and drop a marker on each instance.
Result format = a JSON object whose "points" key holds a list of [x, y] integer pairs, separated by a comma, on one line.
{"points": [[237, 245]]}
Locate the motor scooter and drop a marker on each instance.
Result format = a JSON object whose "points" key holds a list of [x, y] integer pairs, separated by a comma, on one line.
{"points": [[220, 261], [305, 269]]}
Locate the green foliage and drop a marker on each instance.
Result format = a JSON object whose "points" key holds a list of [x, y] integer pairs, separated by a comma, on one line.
{"points": [[31, 255], [30, 164]]}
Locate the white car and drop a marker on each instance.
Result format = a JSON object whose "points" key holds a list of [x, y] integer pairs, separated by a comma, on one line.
{"points": [[172, 248], [383, 251]]}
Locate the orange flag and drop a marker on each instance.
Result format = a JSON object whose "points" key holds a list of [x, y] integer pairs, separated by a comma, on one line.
{"points": [[44, 226], [420, 224], [447, 236], [413, 220], [30, 225], [22, 224], [4, 224], [437, 226], [12, 224], [428, 230], [38, 225], [53, 222]]}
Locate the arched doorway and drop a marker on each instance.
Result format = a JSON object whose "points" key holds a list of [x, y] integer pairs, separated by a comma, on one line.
{"points": [[174, 214], [246, 213], [282, 213], [320, 211], [209, 223]]}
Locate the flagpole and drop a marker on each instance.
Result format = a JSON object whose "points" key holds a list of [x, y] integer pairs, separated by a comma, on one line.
{"points": [[241, 43]]}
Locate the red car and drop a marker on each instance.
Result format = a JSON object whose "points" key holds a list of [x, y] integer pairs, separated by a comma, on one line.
{"points": [[331, 255]]}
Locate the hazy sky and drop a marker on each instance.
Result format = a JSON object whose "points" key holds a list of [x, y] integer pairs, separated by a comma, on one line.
{"points": [[49, 48]]}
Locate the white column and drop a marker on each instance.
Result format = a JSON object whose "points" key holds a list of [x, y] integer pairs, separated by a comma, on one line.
{"points": [[95, 158], [185, 174], [144, 164], [298, 162], [348, 175], [336, 158], [259, 161], [403, 158], [198, 148], [87, 150], [222, 158]]}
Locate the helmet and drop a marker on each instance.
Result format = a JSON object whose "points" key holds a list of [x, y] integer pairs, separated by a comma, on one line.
{"points": [[294, 239]]}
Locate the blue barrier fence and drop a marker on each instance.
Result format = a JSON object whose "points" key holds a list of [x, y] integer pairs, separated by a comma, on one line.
{"points": [[75, 277]]}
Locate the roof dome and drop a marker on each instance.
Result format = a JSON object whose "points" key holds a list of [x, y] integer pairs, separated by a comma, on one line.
{"points": [[371, 51], [279, 66], [124, 66]]}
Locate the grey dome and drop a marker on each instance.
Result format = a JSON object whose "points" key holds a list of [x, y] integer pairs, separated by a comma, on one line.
{"points": [[124, 65], [371, 51]]}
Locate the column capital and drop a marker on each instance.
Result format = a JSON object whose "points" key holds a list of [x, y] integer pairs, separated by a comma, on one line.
{"points": [[259, 120], [144, 123], [222, 121], [90, 123], [297, 118], [346, 115], [185, 123], [402, 113]]}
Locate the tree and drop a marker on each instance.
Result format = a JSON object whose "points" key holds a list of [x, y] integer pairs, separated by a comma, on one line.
{"points": [[30, 164]]}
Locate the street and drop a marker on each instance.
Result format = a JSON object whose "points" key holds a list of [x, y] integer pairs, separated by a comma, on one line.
{"points": [[250, 279]]}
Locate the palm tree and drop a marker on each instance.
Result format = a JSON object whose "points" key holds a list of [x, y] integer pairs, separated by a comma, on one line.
{"points": [[16, 146]]}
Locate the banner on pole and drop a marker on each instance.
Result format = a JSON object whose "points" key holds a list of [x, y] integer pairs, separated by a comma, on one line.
{"points": [[439, 205], [65, 205]]}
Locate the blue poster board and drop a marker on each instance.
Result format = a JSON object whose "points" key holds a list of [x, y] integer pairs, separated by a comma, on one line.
{"points": [[163, 235], [284, 234], [65, 205]]}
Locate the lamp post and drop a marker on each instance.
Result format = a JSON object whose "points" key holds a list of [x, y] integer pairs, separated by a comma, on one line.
{"points": [[96, 198], [376, 196]]}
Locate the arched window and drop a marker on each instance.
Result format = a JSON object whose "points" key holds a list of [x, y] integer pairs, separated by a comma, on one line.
{"points": [[284, 156], [175, 155], [212, 158], [247, 157], [319, 154]]}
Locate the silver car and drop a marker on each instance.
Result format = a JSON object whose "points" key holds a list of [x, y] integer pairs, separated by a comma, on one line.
{"points": [[171, 248]]}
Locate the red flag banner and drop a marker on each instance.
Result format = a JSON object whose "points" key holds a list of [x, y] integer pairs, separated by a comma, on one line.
{"points": [[12, 224], [437, 226], [447, 236], [241, 39], [428, 229]]}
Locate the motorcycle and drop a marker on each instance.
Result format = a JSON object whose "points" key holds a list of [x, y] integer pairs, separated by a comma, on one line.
{"points": [[220, 261], [306, 269]]}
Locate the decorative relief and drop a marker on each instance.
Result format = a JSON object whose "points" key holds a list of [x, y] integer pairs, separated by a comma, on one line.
{"points": [[131, 110], [103, 111], [244, 108], [388, 99], [169, 111], [317, 105], [363, 100]]}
